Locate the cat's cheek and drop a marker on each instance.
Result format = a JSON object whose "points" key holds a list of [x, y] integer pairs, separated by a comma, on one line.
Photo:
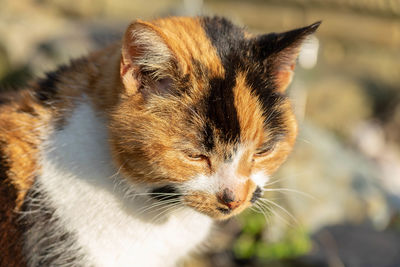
{"points": [[202, 183], [179, 169]]}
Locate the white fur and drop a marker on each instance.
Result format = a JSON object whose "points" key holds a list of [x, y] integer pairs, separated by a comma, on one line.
{"points": [[260, 178], [78, 177], [201, 182]]}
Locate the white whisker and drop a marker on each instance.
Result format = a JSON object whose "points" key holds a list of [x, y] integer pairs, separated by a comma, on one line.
{"points": [[264, 211], [289, 190], [167, 209], [281, 208], [160, 203]]}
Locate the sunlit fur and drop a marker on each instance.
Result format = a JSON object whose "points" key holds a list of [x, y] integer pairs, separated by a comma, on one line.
{"points": [[192, 106]]}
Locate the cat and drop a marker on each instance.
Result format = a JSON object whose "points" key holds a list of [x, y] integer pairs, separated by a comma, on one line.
{"points": [[127, 156]]}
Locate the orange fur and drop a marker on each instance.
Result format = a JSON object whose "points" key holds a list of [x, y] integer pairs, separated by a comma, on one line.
{"points": [[187, 45], [20, 134]]}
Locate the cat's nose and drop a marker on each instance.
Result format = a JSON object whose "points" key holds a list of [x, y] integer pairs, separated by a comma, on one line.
{"points": [[228, 198]]}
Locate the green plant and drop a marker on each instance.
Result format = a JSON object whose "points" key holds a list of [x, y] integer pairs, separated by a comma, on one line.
{"points": [[250, 244]]}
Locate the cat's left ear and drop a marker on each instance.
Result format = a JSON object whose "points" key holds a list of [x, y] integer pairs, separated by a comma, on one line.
{"points": [[146, 60], [278, 52]]}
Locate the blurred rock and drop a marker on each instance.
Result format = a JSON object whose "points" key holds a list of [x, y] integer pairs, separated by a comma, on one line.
{"points": [[353, 246], [344, 184], [337, 105], [370, 139], [39, 40], [45, 34], [393, 125], [4, 63]]}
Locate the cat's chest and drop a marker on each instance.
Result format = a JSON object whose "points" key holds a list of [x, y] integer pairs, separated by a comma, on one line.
{"points": [[111, 228]]}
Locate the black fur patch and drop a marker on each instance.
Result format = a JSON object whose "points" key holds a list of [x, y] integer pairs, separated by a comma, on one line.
{"points": [[224, 211], [224, 35], [164, 193], [208, 140], [221, 111], [11, 239], [47, 243], [47, 87], [256, 195]]}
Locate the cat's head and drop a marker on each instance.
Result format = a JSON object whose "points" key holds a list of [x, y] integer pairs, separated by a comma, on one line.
{"points": [[203, 112]]}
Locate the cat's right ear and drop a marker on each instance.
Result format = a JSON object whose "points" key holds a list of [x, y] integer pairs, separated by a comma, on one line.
{"points": [[278, 52], [146, 60]]}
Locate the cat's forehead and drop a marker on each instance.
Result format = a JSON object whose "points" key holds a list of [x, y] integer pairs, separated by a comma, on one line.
{"points": [[209, 44], [238, 101], [191, 45], [234, 114]]}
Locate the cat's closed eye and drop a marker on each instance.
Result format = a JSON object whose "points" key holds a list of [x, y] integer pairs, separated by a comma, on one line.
{"points": [[264, 150], [196, 157]]}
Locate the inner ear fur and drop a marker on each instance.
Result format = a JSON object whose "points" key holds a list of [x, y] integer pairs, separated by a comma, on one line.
{"points": [[146, 60], [278, 52]]}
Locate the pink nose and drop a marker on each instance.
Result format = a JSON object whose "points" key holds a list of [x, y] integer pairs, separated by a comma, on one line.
{"points": [[228, 198]]}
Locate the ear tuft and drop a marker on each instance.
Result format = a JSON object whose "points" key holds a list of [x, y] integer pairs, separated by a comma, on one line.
{"points": [[278, 52]]}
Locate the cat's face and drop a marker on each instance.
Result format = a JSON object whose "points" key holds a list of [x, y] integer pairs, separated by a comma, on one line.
{"points": [[203, 113]]}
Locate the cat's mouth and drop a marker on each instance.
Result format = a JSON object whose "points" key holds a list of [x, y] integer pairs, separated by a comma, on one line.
{"points": [[201, 202]]}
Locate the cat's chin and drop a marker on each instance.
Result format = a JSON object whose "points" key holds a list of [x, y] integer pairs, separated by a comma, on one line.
{"points": [[222, 215], [210, 208]]}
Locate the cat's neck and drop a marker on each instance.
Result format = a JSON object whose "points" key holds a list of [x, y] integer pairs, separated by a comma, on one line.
{"points": [[95, 78], [111, 228]]}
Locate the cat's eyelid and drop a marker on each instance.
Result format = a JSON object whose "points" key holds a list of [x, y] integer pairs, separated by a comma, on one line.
{"points": [[197, 156], [267, 146], [265, 149], [194, 154], [191, 151]]}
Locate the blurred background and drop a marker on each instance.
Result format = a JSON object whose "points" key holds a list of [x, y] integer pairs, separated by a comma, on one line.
{"points": [[336, 201]]}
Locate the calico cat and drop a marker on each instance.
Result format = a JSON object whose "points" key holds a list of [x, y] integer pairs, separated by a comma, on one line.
{"points": [[125, 157]]}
